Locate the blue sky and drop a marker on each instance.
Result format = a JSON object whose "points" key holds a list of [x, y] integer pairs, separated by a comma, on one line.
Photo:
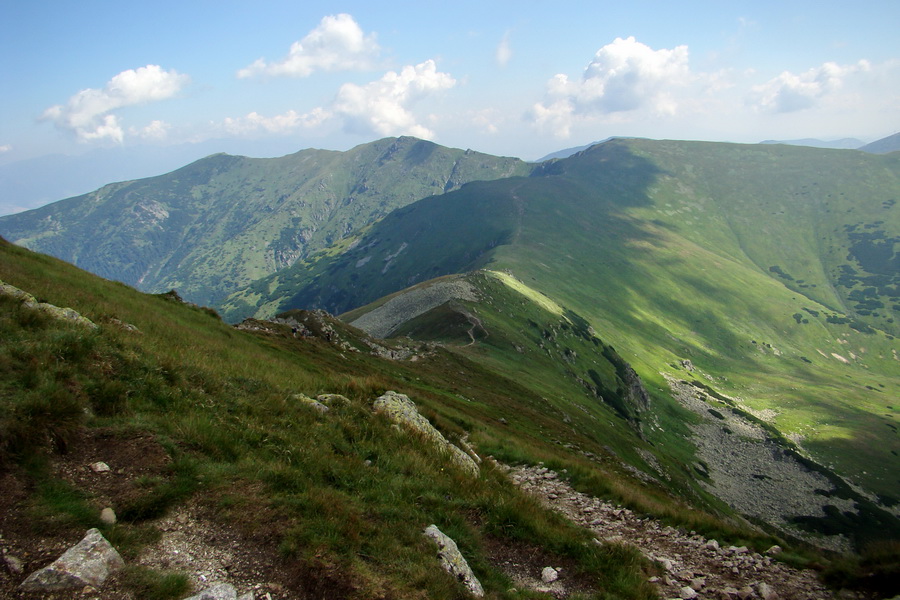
{"points": [[513, 78]]}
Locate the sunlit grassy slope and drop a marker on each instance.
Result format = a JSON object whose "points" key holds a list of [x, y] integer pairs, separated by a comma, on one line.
{"points": [[774, 269], [343, 496]]}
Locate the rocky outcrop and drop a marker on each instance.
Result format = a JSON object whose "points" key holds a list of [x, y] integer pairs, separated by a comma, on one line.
{"points": [[453, 561], [52, 311], [401, 410], [416, 301], [88, 563]]}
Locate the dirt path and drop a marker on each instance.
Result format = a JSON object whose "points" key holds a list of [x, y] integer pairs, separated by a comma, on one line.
{"points": [[694, 566]]}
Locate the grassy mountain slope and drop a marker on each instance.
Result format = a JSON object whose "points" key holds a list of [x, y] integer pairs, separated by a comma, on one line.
{"points": [[773, 269], [224, 221], [342, 496]]}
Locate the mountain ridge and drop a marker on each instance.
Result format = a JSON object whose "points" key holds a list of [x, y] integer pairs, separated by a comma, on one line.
{"points": [[225, 220]]}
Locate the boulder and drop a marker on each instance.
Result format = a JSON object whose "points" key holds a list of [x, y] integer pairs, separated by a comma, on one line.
{"points": [[88, 563], [402, 411], [453, 561], [549, 575], [55, 312], [309, 402]]}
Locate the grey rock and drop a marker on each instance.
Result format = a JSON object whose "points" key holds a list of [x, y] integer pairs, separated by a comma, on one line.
{"points": [[774, 550], [99, 467], [221, 591], [13, 564], [712, 545], [687, 593], [549, 575], [765, 591], [55, 312], [309, 402], [108, 516], [88, 563], [453, 561], [401, 410]]}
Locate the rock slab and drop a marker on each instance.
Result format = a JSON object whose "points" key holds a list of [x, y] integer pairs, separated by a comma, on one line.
{"points": [[453, 561], [88, 563], [401, 410]]}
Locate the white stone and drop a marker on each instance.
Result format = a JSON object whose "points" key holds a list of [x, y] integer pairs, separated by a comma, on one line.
{"points": [[108, 516], [549, 575], [453, 561], [100, 467]]}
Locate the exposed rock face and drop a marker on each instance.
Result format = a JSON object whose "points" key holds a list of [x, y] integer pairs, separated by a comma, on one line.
{"points": [[54, 312], [412, 303], [453, 561], [401, 410], [87, 563]]}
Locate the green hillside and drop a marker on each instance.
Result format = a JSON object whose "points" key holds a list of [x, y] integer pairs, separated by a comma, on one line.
{"points": [[220, 420], [219, 223], [772, 269]]}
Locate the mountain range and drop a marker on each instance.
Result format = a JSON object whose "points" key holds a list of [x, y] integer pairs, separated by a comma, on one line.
{"points": [[619, 288]]}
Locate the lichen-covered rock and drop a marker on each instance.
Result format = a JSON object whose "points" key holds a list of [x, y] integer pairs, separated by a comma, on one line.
{"points": [[14, 292], [88, 563], [333, 399], [453, 561], [401, 410], [55, 312], [313, 404]]}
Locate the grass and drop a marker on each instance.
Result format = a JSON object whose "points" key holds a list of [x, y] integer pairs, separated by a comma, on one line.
{"points": [[344, 496]]}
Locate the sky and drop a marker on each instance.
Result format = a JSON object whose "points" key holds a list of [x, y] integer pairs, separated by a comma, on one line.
{"points": [[517, 78]]}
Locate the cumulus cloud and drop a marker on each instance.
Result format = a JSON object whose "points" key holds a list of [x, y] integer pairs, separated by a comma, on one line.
{"points": [[623, 76], [157, 131], [790, 92], [337, 44], [504, 52], [382, 107], [87, 113], [288, 122]]}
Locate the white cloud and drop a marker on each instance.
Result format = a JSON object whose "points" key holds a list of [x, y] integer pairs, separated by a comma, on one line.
{"points": [[87, 113], [5, 148], [790, 92], [157, 130], [337, 44], [382, 107], [504, 52], [623, 76], [285, 123]]}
